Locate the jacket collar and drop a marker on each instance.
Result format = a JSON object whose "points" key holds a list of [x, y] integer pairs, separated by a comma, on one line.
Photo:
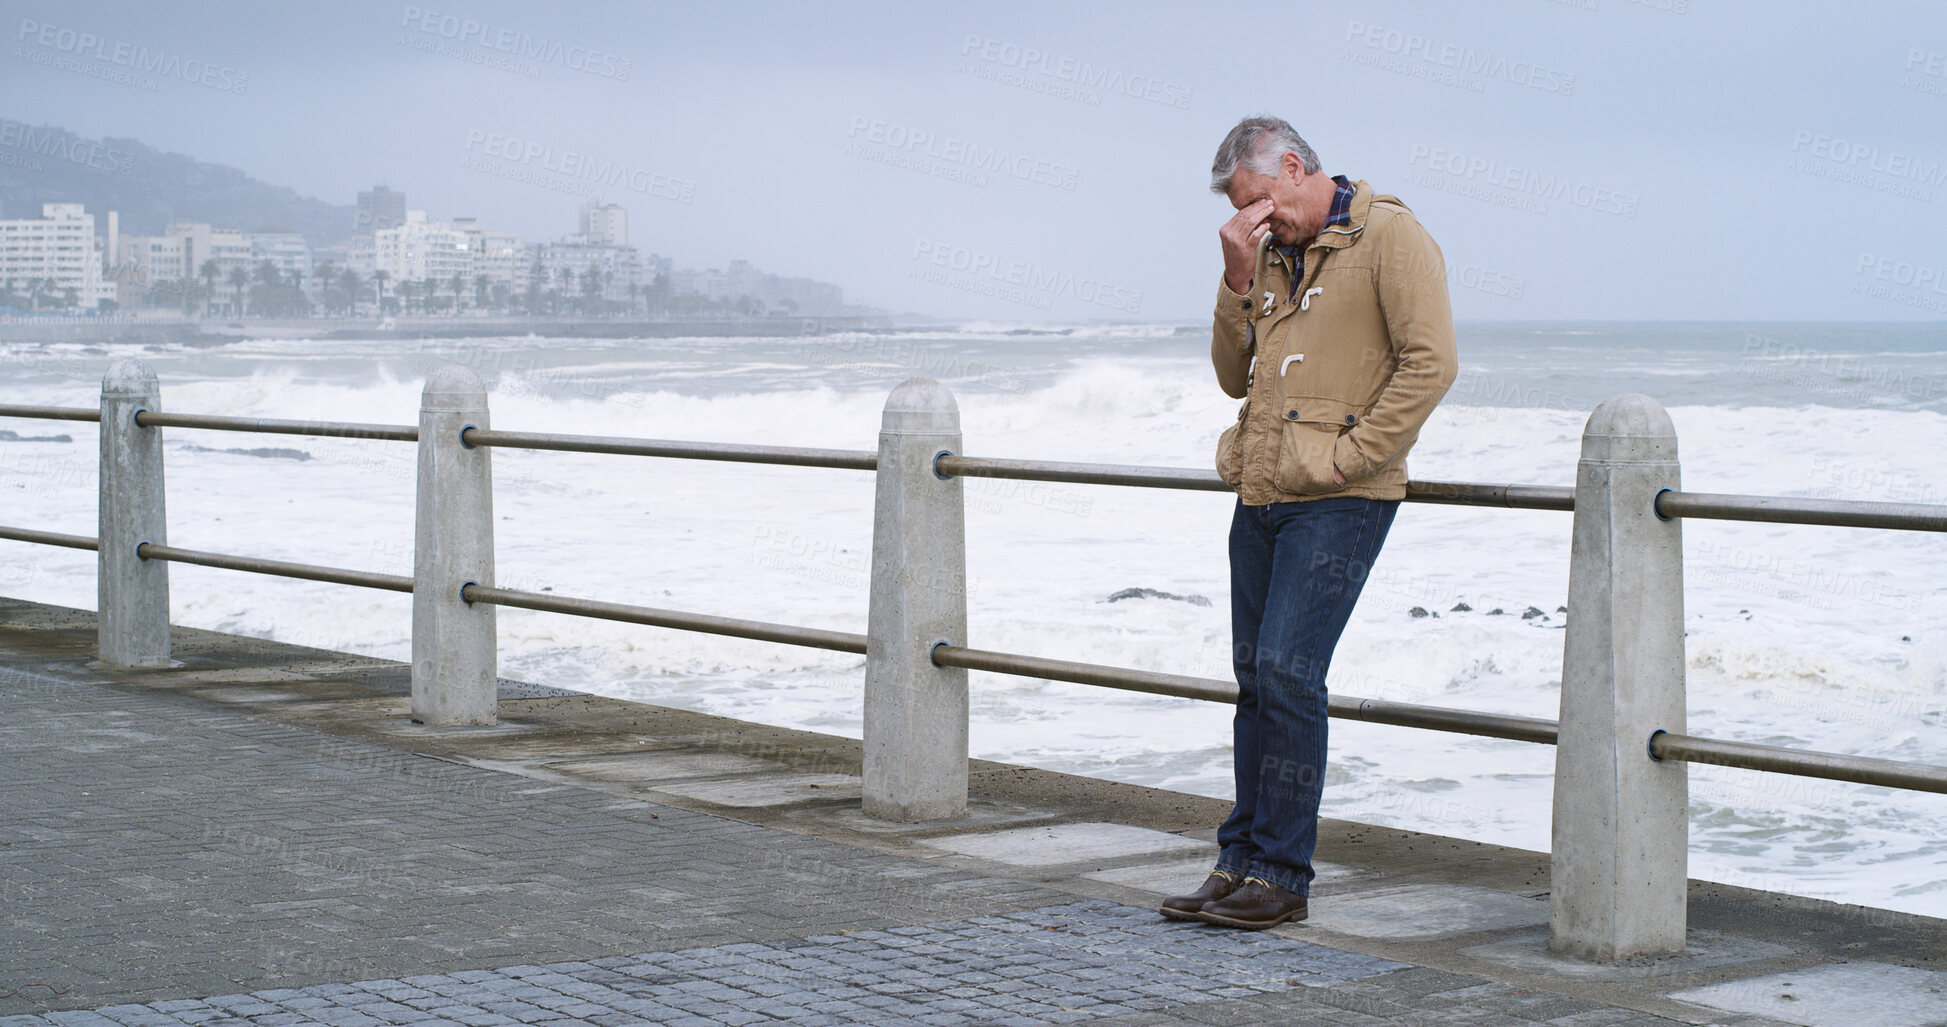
{"points": [[1336, 235]]}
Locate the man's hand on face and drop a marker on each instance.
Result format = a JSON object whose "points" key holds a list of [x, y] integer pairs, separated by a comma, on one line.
{"points": [[1240, 237]]}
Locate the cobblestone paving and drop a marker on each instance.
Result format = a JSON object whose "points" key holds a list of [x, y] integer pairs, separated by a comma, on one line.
{"points": [[153, 846], [156, 850], [1077, 961]]}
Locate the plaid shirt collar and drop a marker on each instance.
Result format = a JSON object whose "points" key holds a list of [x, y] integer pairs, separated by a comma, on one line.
{"points": [[1339, 216]]}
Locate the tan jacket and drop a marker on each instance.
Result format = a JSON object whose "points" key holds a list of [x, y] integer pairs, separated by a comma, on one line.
{"points": [[1348, 364]]}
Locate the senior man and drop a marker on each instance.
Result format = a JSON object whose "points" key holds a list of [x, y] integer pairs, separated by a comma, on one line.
{"points": [[1333, 326]]}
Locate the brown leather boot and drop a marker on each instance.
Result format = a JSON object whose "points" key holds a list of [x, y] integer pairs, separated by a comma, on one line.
{"points": [[1255, 905], [1185, 907]]}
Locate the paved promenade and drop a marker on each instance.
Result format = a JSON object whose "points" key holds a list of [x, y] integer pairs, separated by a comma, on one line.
{"points": [[260, 838]]}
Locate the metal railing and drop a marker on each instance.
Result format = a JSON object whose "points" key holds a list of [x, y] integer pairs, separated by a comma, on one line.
{"points": [[1626, 546]]}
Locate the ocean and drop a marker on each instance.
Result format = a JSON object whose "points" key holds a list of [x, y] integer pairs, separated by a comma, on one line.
{"points": [[1821, 638]]}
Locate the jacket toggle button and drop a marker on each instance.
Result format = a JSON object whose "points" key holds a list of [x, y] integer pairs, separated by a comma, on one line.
{"points": [[1349, 419], [1292, 414]]}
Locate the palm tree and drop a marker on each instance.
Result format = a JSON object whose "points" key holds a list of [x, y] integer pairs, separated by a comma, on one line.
{"points": [[379, 278], [325, 274], [209, 273], [480, 286], [238, 280], [591, 290], [458, 285], [348, 280]]}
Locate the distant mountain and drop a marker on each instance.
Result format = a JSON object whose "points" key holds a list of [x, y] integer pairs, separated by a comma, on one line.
{"points": [[43, 164]]}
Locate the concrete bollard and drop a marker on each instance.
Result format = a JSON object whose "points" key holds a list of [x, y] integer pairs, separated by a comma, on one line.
{"points": [[1619, 860], [453, 658], [915, 710], [132, 593]]}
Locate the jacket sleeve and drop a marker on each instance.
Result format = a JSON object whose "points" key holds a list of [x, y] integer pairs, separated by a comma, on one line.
{"points": [[1412, 286], [1231, 341]]}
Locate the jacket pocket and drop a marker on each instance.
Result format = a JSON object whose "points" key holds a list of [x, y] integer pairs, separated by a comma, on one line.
{"points": [[1312, 426], [1230, 449]]}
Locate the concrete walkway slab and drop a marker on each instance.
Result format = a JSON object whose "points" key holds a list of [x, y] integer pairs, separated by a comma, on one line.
{"points": [[651, 768], [1427, 911], [1835, 995], [766, 789], [1704, 950], [1067, 843]]}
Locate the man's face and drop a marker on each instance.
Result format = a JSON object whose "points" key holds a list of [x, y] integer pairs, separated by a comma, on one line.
{"points": [[1289, 220]]}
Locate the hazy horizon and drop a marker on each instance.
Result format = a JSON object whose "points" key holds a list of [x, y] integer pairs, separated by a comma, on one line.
{"points": [[1620, 160]]}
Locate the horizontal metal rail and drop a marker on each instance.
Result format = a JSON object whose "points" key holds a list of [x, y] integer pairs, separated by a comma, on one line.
{"points": [[52, 413], [764, 631], [1842, 513], [844, 459], [951, 465], [1377, 711], [1865, 770], [281, 568], [328, 429], [1469, 493], [49, 538], [1452, 493]]}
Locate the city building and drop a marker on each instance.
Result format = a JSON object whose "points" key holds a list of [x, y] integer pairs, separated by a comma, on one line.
{"points": [[379, 208], [54, 257], [498, 256], [620, 267], [419, 250], [153, 258], [286, 250], [605, 224]]}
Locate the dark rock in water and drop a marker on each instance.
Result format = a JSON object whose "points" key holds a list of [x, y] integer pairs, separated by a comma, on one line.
{"points": [[1531, 613], [1461, 608], [1561, 609], [1497, 612], [8, 436], [1418, 611], [1906, 638], [1150, 593]]}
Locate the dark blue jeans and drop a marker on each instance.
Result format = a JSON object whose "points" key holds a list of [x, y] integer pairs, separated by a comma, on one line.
{"points": [[1296, 570]]}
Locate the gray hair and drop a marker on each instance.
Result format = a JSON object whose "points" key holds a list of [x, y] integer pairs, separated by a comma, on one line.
{"points": [[1258, 145]]}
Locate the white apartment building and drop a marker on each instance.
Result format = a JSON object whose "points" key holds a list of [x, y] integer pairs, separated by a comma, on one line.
{"points": [[153, 258], [621, 266], [201, 244], [286, 251], [56, 253], [606, 224], [498, 256], [421, 250]]}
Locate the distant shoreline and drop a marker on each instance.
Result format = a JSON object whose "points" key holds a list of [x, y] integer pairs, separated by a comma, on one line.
{"points": [[219, 331]]}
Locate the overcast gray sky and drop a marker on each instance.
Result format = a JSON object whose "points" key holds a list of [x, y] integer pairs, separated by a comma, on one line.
{"points": [[1046, 161]]}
